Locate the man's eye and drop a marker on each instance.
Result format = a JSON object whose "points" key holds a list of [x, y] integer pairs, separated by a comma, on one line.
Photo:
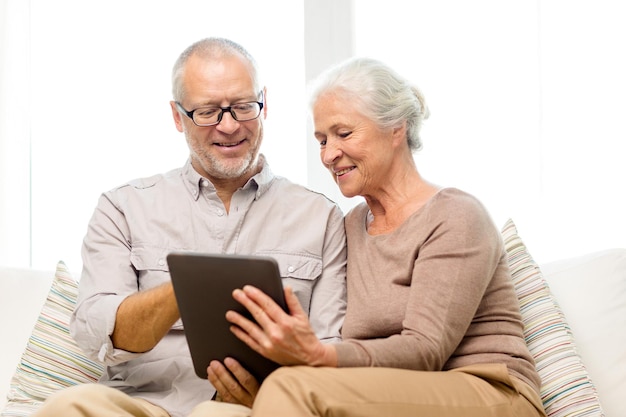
{"points": [[208, 112], [344, 134], [323, 142], [243, 107]]}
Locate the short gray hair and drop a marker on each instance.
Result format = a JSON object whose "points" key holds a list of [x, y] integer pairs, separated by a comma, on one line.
{"points": [[210, 48], [378, 92]]}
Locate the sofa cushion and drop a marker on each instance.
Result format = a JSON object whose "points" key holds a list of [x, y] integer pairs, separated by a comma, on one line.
{"points": [[591, 290], [51, 360], [566, 388]]}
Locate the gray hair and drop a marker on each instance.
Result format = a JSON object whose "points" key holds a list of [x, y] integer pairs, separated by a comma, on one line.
{"points": [[378, 92], [210, 48]]}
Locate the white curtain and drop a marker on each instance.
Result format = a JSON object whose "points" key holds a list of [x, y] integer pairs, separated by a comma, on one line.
{"points": [[85, 105], [527, 106], [14, 133], [527, 103]]}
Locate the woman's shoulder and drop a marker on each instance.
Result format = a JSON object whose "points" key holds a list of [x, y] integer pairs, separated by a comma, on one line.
{"points": [[460, 210], [357, 214], [455, 199]]}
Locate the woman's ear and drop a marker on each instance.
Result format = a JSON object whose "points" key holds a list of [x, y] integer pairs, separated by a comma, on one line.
{"points": [[399, 134], [177, 116]]}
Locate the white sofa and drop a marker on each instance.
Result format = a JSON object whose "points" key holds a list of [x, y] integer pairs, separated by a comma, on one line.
{"points": [[580, 373]]}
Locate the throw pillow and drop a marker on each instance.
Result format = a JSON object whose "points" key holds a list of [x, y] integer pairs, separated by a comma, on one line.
{"points": [[51, 360], [566, 388]]}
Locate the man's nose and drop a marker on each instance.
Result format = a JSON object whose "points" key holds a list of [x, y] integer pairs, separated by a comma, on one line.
{"points": [[228, 123]]}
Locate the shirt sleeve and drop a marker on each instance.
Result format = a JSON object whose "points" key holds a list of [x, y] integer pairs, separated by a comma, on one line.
{"points": [[328, 300], [106, 280]]}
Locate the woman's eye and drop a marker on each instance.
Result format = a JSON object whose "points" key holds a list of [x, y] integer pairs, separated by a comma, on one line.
{"points": [[343, 135], [323, 142]]}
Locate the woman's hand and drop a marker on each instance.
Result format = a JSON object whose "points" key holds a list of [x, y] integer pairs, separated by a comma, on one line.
{"points": [[233, 383], [284, 338]]}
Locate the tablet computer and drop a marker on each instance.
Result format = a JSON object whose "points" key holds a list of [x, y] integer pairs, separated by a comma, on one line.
{"points": [[203, 286]]}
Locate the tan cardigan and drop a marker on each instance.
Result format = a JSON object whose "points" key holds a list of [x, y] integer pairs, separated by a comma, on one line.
{"points": [[435, 294]]}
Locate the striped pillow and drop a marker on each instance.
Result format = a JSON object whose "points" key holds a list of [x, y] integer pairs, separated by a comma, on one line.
{"points": [[566, 389], [51, 360]]}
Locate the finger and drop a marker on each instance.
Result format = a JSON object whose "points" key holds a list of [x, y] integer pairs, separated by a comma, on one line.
{"points": [[248, 331], [248, 384], [265, 307], [217, 375], [228, 385], [254, 307], [249, 340], [245, 300], [293, 304], [241, 321]]}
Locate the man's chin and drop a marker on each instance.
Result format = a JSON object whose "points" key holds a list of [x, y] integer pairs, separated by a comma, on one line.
{"points": [[234, 171]]}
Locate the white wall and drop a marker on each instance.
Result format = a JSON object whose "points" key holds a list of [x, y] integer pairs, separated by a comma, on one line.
{"points": [[100, 86], [526, 100], [14, 134], [527, 103]]}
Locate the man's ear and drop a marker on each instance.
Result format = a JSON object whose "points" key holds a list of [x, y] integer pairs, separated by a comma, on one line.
{"points": [[178, 121], [264, 102]]}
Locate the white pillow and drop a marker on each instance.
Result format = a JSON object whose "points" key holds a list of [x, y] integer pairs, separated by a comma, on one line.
{"points": [[51, 360], [566, 388], [591, 291]]}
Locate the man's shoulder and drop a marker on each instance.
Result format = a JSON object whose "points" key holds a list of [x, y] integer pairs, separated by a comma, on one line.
{"points": [[149, 182], [295, 190]]}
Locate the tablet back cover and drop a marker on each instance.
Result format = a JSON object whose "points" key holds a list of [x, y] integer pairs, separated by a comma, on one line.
{"points": [[203, 284]]}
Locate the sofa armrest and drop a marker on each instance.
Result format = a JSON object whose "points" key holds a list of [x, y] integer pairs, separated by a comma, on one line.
{"points": [[23, 293], [591, 291]]}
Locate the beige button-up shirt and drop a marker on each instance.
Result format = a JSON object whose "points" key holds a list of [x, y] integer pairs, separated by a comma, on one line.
{"points": [[136, 225]]}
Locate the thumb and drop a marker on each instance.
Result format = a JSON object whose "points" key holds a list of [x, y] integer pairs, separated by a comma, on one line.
{"points": [[293, 304]]}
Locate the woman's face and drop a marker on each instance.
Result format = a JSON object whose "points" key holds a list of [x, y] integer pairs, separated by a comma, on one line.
{"points": [[353, 148]]}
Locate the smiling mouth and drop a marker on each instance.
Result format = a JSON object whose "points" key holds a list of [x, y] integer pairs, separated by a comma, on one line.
{"points": [[229, 145], [344, 171]]}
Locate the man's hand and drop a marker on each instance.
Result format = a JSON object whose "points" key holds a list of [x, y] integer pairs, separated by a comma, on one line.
{"points": [[233, 383]]}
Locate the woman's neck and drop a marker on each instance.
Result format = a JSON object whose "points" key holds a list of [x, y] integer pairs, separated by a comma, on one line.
{"points": [[398, 201]]}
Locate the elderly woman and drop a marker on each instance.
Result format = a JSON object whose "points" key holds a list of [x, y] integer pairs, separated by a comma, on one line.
{"points": [[433, 326]]}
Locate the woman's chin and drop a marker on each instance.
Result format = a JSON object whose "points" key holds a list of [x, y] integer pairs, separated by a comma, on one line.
{"points": [[347, 192]]}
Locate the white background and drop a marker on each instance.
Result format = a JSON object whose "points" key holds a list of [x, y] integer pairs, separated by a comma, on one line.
{"points": [[527, 103]]}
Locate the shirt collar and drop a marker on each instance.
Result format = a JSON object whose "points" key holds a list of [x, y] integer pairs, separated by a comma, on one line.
{"points": [[259, 182]]}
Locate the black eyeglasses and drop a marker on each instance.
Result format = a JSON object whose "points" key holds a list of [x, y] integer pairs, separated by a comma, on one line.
{"points": [[209, 116]]}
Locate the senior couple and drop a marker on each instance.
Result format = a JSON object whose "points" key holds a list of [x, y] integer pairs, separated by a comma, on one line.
{"points": [[431, 326]]}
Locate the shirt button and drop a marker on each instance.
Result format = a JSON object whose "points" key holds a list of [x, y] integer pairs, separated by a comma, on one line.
{"points": [[220, 212], [205, 183], [161, 262], [291, 269]]}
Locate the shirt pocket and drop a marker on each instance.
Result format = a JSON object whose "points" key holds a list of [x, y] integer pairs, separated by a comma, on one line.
{"points": [[298, 272], [150, 262]]}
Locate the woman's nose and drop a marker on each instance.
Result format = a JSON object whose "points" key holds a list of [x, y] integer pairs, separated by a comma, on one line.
{"points": [[330, 153]]}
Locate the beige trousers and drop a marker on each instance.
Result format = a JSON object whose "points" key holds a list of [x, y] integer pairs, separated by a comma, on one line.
{"points": [[97, 400], [473, 391]]}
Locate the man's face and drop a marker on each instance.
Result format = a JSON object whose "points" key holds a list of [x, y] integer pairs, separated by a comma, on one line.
{"points": [[229, 150]]}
